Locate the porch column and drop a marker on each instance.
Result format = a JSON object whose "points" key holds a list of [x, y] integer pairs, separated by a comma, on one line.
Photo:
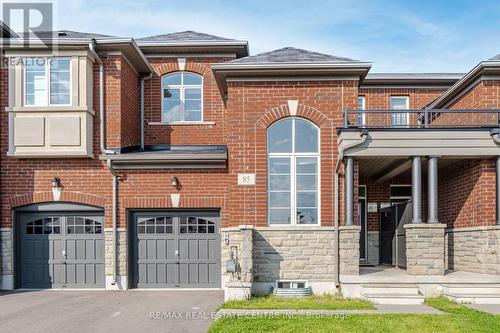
{"points": [[432, 176], [498, 189], [416, 188], [349, 191]]}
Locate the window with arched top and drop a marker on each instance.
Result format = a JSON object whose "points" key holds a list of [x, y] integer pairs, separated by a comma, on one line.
{"points": [[293, 172], [182, 97]]}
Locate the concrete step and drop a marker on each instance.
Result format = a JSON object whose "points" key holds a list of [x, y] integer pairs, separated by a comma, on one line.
{"points": [[475, 293], [393, 298], [390, 293], [390, 288], [473, 288]]}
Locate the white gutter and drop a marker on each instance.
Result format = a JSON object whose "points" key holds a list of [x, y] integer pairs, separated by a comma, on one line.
{"points": [[147, 77], [364, 136], [101, 100], [113, 239]]}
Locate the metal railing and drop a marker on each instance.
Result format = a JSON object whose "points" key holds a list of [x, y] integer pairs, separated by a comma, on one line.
{"points": [[421, 118]]}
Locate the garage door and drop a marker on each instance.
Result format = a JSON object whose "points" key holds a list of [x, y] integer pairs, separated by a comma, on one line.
{"points": [[60, 250], [176, 249]]}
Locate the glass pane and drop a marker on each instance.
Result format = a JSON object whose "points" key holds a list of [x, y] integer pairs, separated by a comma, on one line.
{"points": [[171, 105], [60, 81], [306, 182], [279, 216], [306, 199], [279, 165], [361, 103], [192, 116], [192, 79], [211, 229], [192, 105], [307, 165], [400, 191], [279, 138], [306, 137], [61, 65], [59, 99], [36, 83], [362, 191], [399, 103], [279, 182], [172, 79], [192, 93], [279, 199], [307, 216]]}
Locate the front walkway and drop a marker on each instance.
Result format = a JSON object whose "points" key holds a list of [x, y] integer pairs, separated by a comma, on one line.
{"points": [[108, 311]]}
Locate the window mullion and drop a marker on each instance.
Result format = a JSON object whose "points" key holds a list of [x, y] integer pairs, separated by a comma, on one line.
{"points": [[182, 91], [292, 191], [47, 80]]}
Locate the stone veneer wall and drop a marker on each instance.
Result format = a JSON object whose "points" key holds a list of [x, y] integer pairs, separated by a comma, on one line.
{"points": [[373, 249], [349, 250], [299, 253], [425, 248], [121, 241], [6, 258], [475, 249]]}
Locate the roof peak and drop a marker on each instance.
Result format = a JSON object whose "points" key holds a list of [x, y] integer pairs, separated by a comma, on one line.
{"points": [[186, 35]]}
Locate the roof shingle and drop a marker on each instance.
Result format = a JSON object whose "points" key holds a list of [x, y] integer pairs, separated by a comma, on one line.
{"points": [[291, 55], [188, 35]]}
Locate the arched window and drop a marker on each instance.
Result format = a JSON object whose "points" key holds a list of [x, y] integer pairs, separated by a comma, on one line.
{"points": [[293, 172], [182, 97]]}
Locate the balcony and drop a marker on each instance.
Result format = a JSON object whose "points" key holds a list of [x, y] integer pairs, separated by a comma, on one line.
{"points": [[435, 118], [403, 133]]}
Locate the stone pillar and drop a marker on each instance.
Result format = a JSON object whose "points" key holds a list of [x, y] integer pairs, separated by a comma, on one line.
{"points": [[416, 189], [498, 190], [432, 197], [6, 259], [239, 242], [349, 191], [349, 250], [121, 260], [425, 249]]}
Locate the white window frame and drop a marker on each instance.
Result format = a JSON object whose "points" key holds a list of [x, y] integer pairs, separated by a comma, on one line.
{"points": [[181, 88], [293, 175], [407, 100], [47, 83], [362, 116]]}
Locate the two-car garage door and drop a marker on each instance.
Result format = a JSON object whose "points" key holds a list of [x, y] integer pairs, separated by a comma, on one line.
{"points": [[175, 249]]}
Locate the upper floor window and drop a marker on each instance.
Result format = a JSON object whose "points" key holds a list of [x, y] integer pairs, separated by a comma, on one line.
{"points": [[182, 95], [293, 172], [361, 106], [399, 118], [48, 82]]}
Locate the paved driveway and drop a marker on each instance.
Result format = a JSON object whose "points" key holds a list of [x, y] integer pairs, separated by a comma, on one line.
{"points": [[108, 311]]}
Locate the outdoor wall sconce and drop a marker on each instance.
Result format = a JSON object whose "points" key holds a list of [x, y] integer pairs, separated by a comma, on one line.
{"points": [[56, 188], [175, 181]]}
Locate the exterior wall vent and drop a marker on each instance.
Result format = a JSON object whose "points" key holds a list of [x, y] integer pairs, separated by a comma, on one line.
{"points": [[292, 288]]}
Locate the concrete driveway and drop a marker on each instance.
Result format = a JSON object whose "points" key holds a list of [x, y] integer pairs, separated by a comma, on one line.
{"points": [[108, 311]]}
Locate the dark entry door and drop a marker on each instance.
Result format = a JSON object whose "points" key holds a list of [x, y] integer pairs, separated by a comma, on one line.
{"points": [[176, 249], [392, 233], [59, 250]]}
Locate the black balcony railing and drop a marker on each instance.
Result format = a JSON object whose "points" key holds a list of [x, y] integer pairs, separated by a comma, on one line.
{"points": [[433, 118]]}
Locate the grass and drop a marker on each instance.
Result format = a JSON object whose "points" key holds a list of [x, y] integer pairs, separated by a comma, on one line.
{"points": [[458, 318], [325, 302]]}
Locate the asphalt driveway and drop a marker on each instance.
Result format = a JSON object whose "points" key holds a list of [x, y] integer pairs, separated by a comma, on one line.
{"points": [[108, 311]]}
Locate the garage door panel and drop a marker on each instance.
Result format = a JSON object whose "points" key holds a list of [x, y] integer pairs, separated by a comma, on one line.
{"points": [[64, 251], [180, 246]]}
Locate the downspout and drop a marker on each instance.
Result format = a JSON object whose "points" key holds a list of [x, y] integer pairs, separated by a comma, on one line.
{"points": [[101, 99], [113, 238], [144, 78], [364, 136]]}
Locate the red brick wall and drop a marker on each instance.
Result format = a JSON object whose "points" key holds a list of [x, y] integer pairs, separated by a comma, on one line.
{"points": [[467, 194], [130, 106], [379, 98], [213, 106], [251, 108], [484, 95]]}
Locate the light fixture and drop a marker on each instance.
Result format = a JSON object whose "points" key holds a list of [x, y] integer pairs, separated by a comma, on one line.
{"points": [[56, 188], [175, 181]]}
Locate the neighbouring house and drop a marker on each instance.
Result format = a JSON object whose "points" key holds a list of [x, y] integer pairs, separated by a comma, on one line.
{"points": [[181, 161]]}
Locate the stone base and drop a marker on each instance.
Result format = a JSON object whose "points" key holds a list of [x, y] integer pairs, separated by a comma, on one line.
{"points": [[121, 283], [6, 282], [425, 249], [237, 290], [349, 250]]}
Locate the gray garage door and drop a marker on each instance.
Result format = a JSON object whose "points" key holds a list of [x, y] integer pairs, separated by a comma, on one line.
{"points": [[61, 250], [176, 249]]}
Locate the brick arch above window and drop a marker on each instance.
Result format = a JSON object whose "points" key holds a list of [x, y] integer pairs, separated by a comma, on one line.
{"points": [[276, 113], [172, 67], [66, 196]]}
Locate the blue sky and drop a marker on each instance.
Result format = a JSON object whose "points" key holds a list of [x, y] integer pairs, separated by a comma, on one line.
{"points": [[397, 36]]}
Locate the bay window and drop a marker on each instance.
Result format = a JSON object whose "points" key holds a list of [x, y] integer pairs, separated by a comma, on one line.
{"points": [[293, 172]]}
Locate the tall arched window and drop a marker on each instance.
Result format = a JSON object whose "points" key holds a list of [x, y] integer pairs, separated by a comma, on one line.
{"points": [[182, 97], [293, 172]]}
